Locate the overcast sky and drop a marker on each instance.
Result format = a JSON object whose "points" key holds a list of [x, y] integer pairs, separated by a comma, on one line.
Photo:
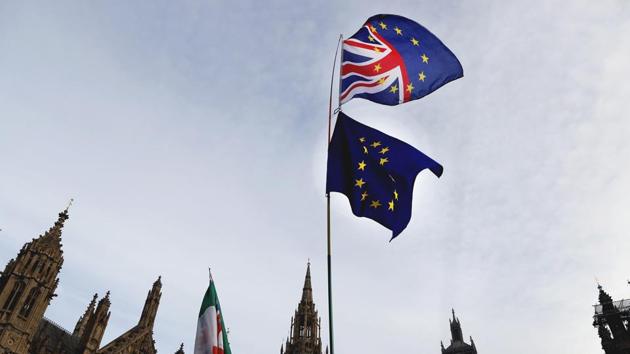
{"points": [[192, 134]]}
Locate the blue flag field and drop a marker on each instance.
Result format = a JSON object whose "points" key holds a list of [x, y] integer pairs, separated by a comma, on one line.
{"points": [[375, 171]]}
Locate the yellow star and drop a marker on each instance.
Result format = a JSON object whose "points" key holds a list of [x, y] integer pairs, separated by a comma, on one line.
{"points": [[377, 67], [365, 150], [383, 26], [359, 183], [391, 205], [393, 89], [398, 31], [362, 139], [415, 41], [375, 144], [425, 58], [376, 49], [384, 150], [364, 195], [362, 165], [372, 28], [395, 195], [422, 76], [381, 81], [371, 38], [375, 204], [410, 87], [383, 161]]}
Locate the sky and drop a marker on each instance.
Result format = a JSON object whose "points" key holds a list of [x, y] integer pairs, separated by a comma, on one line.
{"points": [[192, 134]]}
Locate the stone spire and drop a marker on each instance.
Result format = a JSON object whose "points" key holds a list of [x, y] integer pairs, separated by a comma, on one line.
{"points": [[95, 328], [147, 318], [307, 290], [612, 316], [458, 346], [181, 349], [604, 298], [50, 241], [456, 329], [305, 324], [27, 286], [83, 320]]}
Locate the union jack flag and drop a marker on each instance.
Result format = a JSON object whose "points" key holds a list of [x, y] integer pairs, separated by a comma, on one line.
{"points": [[392, 60]]}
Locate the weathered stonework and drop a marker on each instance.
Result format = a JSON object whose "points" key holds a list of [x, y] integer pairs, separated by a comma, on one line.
{"points": [[27, 286], [305, 324]]}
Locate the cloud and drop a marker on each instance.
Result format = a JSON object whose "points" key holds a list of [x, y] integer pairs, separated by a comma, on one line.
{"points": [[193, 135]]}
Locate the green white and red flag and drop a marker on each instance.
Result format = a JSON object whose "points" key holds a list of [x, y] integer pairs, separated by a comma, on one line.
{"points": [[211, 332]]}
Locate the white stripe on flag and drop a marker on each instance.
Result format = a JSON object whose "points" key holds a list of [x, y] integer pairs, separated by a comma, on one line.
{"points": [[207, 328]]}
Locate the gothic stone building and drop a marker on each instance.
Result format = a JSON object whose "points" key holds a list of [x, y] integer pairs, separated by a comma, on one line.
{"points": [[305, 324], [305, 335], [27, 286], [458, 346], [611, 320]]}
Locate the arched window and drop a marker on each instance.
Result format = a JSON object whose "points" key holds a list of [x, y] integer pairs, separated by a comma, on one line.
{"points": [[15, 295], [30, 302], [28, 263], [35, 265]]}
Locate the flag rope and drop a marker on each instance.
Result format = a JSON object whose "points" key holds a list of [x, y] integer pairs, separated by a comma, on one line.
{"points": [[331, 341]]}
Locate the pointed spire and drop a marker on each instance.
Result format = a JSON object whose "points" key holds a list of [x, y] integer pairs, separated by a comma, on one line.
{"points": [[151, 304], [181, 349], [52, 237], [305, 325], [604, 298], [158, 282], [456, 329], [83, 320], [105, 300], [307, 290], [63, 216]]}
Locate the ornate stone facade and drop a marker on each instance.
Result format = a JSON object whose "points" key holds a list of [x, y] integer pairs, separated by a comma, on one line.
{"points": [[305, 324], [27, 286], [458, 346]]}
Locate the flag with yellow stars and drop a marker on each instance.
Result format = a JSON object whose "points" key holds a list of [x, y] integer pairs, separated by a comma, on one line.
{"points": [[392, 60], [375, 171]]}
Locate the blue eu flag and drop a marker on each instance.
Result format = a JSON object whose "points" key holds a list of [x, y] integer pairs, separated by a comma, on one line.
{"points": [[375, 171], [392, 60]]}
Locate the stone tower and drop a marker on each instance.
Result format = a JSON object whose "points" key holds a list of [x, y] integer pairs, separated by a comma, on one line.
{"points": [[147, 319], [611, 322], [139, 339], [305, 324], [27, 286], [458, 346], [95, 326], [79, 329]]}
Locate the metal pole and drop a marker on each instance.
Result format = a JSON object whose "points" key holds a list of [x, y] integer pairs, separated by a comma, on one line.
{"points": [[331, 339]]}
